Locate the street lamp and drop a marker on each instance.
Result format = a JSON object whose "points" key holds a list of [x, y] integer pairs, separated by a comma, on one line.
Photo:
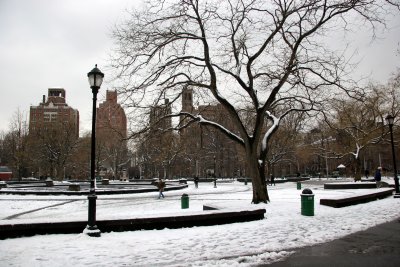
{"points": [[390, 120], [95, 79], [215, 174]]}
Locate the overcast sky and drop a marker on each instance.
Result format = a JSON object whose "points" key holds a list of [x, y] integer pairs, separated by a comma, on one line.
{"points": [[55, 43]]}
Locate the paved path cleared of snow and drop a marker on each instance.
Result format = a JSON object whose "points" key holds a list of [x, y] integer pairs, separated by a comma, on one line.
{"points": [[239, 244]]}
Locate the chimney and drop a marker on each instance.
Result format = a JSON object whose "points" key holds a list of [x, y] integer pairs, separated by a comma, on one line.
{"points": [[44, 99]]}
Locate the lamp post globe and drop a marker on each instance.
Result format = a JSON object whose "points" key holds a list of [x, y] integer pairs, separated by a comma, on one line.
{"points": [[95, 77], [390, 121]]}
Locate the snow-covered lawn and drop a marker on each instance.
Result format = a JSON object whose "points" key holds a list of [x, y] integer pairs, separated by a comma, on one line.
{"points": [[239, 244]]}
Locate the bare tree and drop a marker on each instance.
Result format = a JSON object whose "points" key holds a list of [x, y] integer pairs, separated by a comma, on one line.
{"points": [[4, 154], [79, 162], [111, 150], [15, 144], [359, 124], [392, 95], [283, 144], [53, 146], [158, 153], [258, 54]]}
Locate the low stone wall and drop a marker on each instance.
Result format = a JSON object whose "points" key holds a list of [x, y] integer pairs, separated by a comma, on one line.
{"points": [[99, 191], [355, 185], [356, 199], [217, 218]]}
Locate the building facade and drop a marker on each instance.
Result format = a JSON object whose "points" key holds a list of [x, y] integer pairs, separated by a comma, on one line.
{"points": [[111, 136], [53, 111], [111, 117], [53, 134]]}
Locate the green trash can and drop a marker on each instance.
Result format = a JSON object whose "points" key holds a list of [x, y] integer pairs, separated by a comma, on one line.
{"points": [[298, 186], [185, 201], [307, 202]]}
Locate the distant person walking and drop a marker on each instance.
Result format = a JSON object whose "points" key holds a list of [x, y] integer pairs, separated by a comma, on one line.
{"points": [[161, 186], [272, 179], [378, 177], [196, 182]]}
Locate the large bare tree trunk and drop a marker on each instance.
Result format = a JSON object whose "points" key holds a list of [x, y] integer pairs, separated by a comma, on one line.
{"points": [[256, 173], [357, 169]]}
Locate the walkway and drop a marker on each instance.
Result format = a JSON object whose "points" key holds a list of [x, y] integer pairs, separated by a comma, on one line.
{"points": [[375, 247]]}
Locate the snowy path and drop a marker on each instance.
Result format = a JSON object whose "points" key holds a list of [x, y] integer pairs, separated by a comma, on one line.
{"points": [[46, 208], [239, 244], [34, 210]]}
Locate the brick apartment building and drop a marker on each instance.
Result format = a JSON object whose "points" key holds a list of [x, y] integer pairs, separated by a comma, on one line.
{"points": [[111, 117], [52, 111], [111, 134]]}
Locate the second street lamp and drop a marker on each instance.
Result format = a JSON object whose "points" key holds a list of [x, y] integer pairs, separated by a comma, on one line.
{"points": [[390, 121], [95, 80]]}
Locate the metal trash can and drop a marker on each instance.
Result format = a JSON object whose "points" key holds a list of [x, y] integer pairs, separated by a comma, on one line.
{"points": [[307, 202], [298, 186], [185, 201], [49, 182]]}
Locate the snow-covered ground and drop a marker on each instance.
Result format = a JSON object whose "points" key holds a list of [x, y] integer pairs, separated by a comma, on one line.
{"points": [[239, 244]]}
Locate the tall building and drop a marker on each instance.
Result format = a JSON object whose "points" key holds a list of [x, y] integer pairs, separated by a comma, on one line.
{"points": [[53, 111], [187, 99], [157, 114], [111, 134], [111, 117]]}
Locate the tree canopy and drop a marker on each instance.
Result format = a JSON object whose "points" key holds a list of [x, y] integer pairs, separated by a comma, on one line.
{"points": [[267, 56]]}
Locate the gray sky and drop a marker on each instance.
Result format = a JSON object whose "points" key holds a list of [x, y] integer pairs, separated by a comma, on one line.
{"points": [[55, 43]]}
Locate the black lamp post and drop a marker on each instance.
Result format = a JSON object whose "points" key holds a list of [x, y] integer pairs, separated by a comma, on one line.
{"points": [[390, 121], [215, 174], [95, 79]]}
